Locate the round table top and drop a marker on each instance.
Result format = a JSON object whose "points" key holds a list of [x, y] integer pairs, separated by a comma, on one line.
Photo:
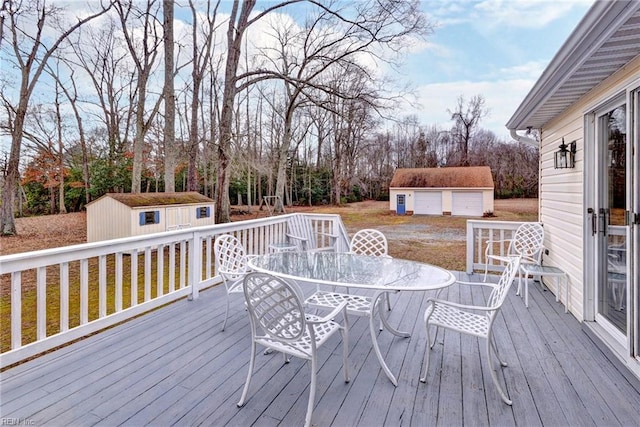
{"points": [[357, 271]]}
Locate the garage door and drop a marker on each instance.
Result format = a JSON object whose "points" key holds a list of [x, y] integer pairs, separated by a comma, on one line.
{"points": [[466, 204], [427, 203]]}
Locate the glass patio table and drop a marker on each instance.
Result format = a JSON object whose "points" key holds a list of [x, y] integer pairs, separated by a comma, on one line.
{"points": [[378, 274]]}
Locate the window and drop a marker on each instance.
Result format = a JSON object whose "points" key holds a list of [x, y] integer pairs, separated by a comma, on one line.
{"points": [[203, 212], [149, 217]]}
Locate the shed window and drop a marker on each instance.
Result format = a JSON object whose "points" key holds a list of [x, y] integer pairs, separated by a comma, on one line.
{"points": [[149, 217], [203, 212]]}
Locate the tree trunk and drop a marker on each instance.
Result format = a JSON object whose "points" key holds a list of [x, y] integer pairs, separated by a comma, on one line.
{"points": [[169, 100], [234, 43]]}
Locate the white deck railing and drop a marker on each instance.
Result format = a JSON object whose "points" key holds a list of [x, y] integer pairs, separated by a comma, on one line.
{"points": [[481, 231], [77, 290]]}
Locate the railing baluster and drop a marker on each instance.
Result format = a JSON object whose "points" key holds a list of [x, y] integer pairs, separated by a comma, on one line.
{"points": [[119, 271], [64, 296], [16, 309], [41, 297], [84, 291], [134, 278], [147, 274], [160, 270], [102, 285]]}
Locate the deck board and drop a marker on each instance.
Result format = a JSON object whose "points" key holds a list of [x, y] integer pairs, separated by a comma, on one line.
{"points": [[175, 367]]}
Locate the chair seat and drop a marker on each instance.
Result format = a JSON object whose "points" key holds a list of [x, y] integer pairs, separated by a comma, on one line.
{"points": [[302, 347], [356, 304], [459, 320]]}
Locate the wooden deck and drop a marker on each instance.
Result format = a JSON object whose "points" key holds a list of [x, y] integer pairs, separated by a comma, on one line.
{"points": [[174, 367]]}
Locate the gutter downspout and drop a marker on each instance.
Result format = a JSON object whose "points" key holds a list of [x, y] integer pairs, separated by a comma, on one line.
{"points": [[523, 139]]}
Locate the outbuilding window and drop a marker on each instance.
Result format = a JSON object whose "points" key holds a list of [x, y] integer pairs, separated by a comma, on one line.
{"points": [[203, 212], [149, 217]]}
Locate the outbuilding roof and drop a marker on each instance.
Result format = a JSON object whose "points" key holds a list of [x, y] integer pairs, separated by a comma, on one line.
{"points": [[456, 177], [157, 199]]}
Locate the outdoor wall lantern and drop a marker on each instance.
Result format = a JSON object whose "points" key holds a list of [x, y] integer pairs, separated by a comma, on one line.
{"points": [[565, 156]]}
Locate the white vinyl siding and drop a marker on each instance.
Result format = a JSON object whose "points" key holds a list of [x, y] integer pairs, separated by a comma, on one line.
{"points": [[428, 203], [562, 209]]}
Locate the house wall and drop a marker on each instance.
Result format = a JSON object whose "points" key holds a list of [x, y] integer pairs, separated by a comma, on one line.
{"points": [[107, 219], [487, 197], [562, 209]]}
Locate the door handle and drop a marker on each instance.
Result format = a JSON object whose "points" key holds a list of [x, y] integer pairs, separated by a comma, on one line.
{"points": [[603, 217], [594, 221]]}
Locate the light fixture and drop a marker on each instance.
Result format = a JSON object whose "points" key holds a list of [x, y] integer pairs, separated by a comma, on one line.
{"points": [[565, 157]]}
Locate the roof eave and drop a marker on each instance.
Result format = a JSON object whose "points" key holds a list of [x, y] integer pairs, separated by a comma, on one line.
{"points": [[600, 22]]}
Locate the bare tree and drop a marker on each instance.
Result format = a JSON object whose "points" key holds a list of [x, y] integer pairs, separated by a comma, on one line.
{"points": [[168, 93], [30, 51], [144, 53], [466, 119], [202, 50]]}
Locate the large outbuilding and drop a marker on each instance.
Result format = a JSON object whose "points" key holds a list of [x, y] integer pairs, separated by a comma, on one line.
{"points": [[116, 215], [459, 191], [586, 109]]}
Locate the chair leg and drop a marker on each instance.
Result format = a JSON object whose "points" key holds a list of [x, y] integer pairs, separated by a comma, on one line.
{"points": [[494, 375], [344, 332], [246, 384], [427, 349], [226, 314], [495, 352], [312, 391]]}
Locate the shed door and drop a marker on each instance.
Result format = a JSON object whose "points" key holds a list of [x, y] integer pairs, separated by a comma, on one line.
{"points": [[178, 218], [427, 203], [466, 203]]}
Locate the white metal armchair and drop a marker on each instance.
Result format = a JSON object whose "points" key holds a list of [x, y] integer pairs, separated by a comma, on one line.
{"points": [[476, 320], [527, 243], [371, 242], [279, 322], [231, 264], [365, 242]]}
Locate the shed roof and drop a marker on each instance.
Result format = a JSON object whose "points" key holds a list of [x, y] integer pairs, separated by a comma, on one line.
{"points": [[459, 177], [157, 199]]}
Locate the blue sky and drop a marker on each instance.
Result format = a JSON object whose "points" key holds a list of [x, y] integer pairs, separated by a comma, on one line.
{"points": [[494, 48]]}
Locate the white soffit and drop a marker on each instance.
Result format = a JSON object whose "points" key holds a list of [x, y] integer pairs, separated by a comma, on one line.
{"points": [[607, 38]]}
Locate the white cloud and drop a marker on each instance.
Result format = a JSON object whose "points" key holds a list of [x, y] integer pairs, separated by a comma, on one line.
{"points": [[501, 98], [495, 14]]}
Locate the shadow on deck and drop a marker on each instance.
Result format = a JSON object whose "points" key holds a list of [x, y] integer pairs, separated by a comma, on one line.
{"points": [[174, 367]]}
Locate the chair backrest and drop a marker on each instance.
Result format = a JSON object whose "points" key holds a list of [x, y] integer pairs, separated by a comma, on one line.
{"points": [[369, 242], [499, 293], [275, 305], [300, 226], [527, 241], [231, 258]]}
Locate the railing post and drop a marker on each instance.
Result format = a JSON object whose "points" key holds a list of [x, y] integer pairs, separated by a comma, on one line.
{"points": [[195, 265], [470, 246]]}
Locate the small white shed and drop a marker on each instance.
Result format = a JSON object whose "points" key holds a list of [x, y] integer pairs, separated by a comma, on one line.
{"points": [[116, 215], [459, 191]]}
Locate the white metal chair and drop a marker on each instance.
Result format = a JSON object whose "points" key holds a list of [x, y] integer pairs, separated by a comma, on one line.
{"points": [[231, 264], [279, 322], [371, 242], [365, 242], [527, 243], [476, 320]]}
